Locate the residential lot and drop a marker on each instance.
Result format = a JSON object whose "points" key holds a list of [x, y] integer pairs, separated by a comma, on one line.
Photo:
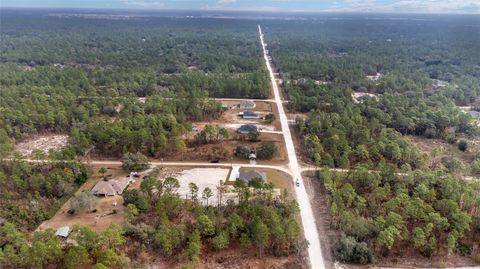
{"points": [[110, 209], [105, 207]]}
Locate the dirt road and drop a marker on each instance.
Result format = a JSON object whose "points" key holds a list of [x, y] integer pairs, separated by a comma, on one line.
{"points": [[308, 219]]}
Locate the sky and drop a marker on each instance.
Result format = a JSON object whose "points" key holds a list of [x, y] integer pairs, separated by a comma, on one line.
{"points": [[395, 6]]}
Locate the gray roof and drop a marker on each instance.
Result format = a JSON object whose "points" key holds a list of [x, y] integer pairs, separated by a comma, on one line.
{"points": [[63, 231], [249, 175], [111, 187]]}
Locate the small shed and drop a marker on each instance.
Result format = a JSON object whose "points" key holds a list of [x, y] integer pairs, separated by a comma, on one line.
{"points": [[234, 173]]}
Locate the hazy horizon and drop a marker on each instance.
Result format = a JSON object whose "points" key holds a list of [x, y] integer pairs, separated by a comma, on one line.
{"points": [[264, 6]]}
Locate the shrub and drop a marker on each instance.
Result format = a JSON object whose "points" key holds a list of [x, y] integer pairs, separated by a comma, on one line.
{"points": [[475, 168], [242, 152], [462, 145], [85, 201], [267, 150], [464, 250], [135, 162], [350, 251], [270, 117]]}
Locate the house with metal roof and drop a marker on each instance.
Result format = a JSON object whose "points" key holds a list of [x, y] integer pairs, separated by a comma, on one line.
{"points": [[247, 128], [248, 115]]}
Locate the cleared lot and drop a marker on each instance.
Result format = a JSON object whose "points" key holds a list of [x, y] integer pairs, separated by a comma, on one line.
{"points": [[204, 178], [43, 143]]}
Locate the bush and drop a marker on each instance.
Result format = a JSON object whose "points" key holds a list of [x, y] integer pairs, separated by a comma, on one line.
{"points": [[350, 251], [85, 201], [475, 168], [451, 140], [270, 117], [139, 199], [462, 145], [135, 162], [242, 152], [453, 164], [464, 250], [253, 136], [267, 150]]}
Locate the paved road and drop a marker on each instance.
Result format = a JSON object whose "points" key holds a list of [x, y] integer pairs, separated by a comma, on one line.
{"points": [[308, 219]]}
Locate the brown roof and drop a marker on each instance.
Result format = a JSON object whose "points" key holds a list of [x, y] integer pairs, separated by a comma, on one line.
{"points": [[111, 187]]}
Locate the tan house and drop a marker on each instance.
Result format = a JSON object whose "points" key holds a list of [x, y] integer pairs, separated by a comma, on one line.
{"points": [[111, 187]]}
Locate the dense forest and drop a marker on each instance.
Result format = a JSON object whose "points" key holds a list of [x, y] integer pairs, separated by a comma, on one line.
{"points": [[167, 45], [428, 212], [33, 193], [83, 76], [413, 73], [409, 51]]}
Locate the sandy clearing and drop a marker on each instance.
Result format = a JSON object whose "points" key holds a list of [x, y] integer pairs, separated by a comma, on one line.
{"points": [[203, 178], [44, 143]]}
